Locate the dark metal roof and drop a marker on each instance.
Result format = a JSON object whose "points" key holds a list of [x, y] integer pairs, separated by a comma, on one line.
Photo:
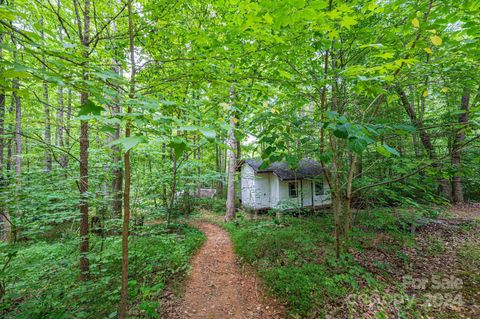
{"points": [[306, 169]]}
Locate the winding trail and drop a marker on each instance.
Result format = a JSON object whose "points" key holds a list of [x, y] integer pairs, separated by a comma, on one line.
{"points": [[217, 289]]}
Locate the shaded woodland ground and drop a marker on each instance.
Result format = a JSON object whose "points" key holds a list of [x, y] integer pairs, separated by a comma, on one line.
{"points": [[402, 263]]}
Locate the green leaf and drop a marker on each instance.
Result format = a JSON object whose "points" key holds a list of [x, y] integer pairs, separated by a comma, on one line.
{"points": [[382, 151], [357, 145], [386, 150], [208, 133], [264, 165], [340, 133], [348, 21], [292, 160], [405, 127], [129, 142], [391, 150], [179, 146], [90, 108], [107, 129], [268, 18]]}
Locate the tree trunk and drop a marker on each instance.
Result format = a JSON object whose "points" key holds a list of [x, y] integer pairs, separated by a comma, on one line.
{"points": [[199, 158], [164, 187], [16, 104], [9, 161], [172, 190], [18, 128], [84, 144], [9, 141], [347, 212], [65, 159], [2, 130], [218, 166], [117, 172], [231, 175], [122, 309], [59, 138], [230, 214], [46, 108], [2, 114], [443, 184], [457, 187]]}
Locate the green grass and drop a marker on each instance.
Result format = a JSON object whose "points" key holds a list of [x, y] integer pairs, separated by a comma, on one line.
{"points": [[42, 279]]}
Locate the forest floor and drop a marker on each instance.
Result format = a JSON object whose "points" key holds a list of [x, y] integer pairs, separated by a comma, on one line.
{"points": [[391, 270], [218, 288]]}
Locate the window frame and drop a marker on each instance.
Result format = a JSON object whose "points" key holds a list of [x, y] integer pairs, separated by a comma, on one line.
{"points": [[295, 189], [316, 189]]}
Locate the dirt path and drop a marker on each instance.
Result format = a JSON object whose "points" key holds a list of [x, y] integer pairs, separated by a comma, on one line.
{"points": [[217, 289]]}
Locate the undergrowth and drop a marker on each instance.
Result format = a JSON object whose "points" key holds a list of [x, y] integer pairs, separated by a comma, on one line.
{"points": [[42, 281], [296, 257]]}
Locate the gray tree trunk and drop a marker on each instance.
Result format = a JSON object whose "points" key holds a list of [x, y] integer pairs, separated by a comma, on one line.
{"points": [[232, 163], [83, 34], [18, 128], [2, 115], [59, 138], [66, 128], [46, 108], [457, 187]]}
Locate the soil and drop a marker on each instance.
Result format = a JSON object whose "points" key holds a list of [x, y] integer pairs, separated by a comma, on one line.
{"points": [[466, 211], [217, 288]]}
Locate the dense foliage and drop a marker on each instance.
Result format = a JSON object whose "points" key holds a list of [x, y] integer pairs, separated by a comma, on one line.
{"points": [[41, 282]]}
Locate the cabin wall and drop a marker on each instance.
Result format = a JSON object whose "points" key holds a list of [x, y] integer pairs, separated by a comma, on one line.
{"points": [[322, 199], [262, 191], [285, 202], [266, 190], [274, 190], [248, 186], [307, 192], [304, 191]]}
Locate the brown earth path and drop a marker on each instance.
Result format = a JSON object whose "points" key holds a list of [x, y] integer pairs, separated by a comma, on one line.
{"points": [[217, 289]]}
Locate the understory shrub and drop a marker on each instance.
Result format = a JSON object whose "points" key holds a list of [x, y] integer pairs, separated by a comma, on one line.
{"points": [[42, 281], [295, 258]]}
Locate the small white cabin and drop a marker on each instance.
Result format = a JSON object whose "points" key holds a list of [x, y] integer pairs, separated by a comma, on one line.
{"points": [[280, 187]]}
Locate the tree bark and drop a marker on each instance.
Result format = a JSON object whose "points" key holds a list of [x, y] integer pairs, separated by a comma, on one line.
{"points": [[457, 187], [84, 145], [122, 311], [232, 163], [65, 159], [16, 103], [46, 108], [61, 111], [9, 161], [18, 128], [173, 189], [347, 212], [164, 187], [117, 172], [2, 115]]}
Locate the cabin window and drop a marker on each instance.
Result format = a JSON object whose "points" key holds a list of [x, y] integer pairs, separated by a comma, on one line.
{"points": [[319, 188], [292, 190]]}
